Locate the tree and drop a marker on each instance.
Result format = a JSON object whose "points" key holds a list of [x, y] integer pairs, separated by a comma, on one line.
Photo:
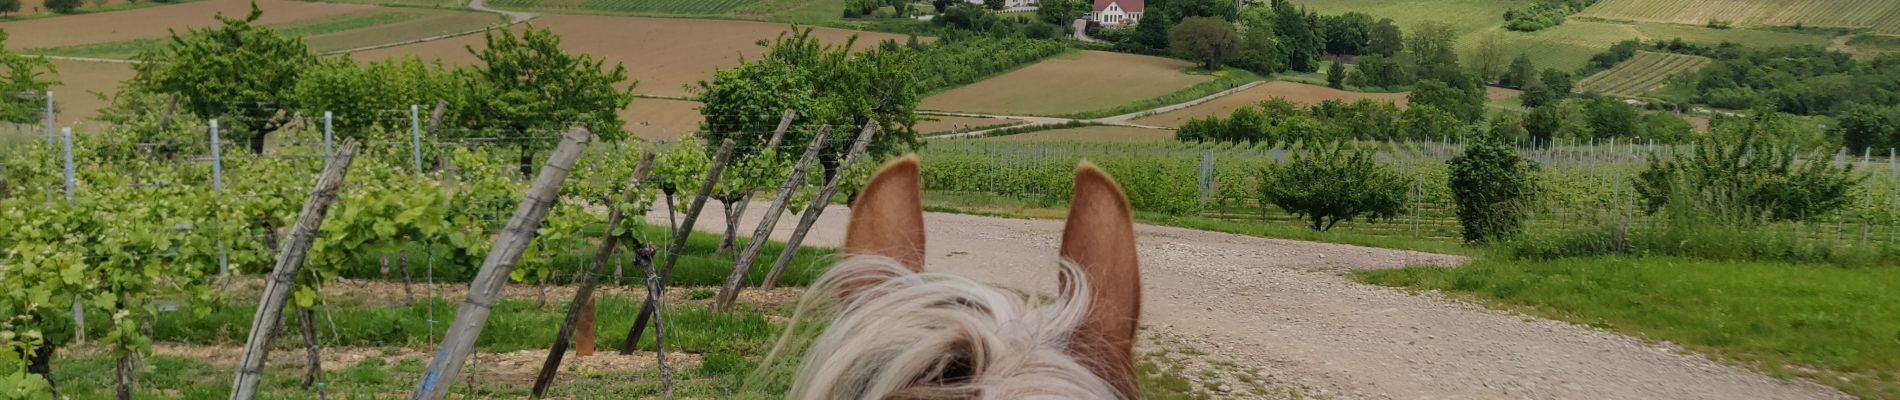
{"points": [[9, 6], [63, 6], [1465, 103], [1493, 186], [1519, 74], [1544, 123], [1059, 12], [1433, 53], [1349, 33], [942, 5], [1559, 84], [25, 79], [995, 4], [1868, 126], [1153, 30], [529, 88], [1488, 61], [1260, 52], [1208, 40], [1300, 38], [1307, 186], [1387, 40], [1379, 71], [1611, 118], [1336, 76], [1743, 172], [1424, 121], [238, 72]]}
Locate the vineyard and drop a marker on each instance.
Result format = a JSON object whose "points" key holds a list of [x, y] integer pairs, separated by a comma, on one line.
{"points": [[1583, 183], [647, 7], [1641, 74], [1881, 16]]}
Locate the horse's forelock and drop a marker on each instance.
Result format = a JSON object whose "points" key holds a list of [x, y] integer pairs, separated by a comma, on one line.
{"points": [[908, 335]]}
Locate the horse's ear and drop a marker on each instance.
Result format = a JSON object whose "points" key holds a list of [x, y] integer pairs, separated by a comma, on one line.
{"points": [[888, 218], [1100, 238]]}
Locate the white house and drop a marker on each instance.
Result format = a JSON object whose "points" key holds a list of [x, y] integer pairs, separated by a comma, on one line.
{"points": [[1117, 12], [1011, 3]]}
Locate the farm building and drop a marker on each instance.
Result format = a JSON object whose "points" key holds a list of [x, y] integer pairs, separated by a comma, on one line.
{"points": [[1117, 12], [1012, 3]]}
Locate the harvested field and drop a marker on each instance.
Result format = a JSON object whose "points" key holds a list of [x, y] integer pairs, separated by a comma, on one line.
{"points": [[1299, 93], [1881, 16], [666, 55], [158, 22], [1647, 71], [425, 23], [1085, 81], [928, 124], [1091, 134], [1498, 93], [661, 119], [76, 97]]}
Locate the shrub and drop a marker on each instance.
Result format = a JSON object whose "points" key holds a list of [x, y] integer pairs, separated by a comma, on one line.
{"points": [[1493, 187], [63, 6], [1334, 182], [1747, 176]]}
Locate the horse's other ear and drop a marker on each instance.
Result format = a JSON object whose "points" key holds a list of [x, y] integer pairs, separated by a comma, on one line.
{"points": [[1100, 238], [888, 218]]}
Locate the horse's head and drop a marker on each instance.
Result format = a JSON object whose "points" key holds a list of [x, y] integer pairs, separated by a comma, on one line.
{"points": [[902, 333]]}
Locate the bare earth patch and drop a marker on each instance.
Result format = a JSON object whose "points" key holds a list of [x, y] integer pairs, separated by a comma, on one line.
{"points": [[649, 118], [158, 22], [1091, 134], [77, 96], [1298, 93]]}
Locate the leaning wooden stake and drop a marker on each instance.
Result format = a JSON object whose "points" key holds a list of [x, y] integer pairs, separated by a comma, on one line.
{"points": [[735, 209], [283, 277], [485, 290], [582, 306], [817, 207], [680, 235], [742, 265]]}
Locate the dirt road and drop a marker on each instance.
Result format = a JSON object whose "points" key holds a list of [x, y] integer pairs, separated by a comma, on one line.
{"points": [[1284, 309]]}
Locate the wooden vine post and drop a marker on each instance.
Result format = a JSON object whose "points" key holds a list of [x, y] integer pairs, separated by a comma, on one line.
{"points": [[742, 265], [817, 206], [680, 235], [485, 290], [735, 207], [283, 276], [583, 305]]}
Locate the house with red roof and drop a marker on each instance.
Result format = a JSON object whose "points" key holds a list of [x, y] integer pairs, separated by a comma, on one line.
{"points": [[1117, 12]]}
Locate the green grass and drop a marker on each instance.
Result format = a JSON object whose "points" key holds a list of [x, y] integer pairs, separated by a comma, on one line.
{"points": [[1227, 79], [1318, 78], [129, 48], [1829, 324], [1876, 42]]}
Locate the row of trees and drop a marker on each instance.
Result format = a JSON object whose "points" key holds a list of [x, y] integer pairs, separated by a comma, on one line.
{"points": [[1494, 187], [1435, 111], [1276, 38]]}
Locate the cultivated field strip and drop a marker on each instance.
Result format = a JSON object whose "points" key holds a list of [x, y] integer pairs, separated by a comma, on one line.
{"points": [[1646, 72], [1882, 16], [662, 7]]}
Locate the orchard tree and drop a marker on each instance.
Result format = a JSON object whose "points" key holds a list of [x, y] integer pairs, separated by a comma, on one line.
{"points": [[530, 89], [24, 81], [1519, 74], [1308, 186], [1433, 51], [1386, 40], [240, 73], [9, 6], [1494, 188], [1211, 41], [1868, 126]]}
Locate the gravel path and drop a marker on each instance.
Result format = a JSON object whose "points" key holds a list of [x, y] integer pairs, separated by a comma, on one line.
{"points": [[1283, 308]]}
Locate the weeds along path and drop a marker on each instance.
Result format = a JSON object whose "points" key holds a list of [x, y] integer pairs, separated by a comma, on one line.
{"points": [[1284, 307]]}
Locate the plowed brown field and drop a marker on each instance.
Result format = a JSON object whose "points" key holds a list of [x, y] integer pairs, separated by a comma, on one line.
{"points": [[158, 22], [1088, 81]]}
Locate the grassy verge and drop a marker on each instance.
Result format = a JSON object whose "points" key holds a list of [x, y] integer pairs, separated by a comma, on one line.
{"points": [[1832, 325], [129, 48], [999, 206], [1223, 80]]}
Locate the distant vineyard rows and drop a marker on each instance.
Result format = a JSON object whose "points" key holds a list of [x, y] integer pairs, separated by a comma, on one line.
{"points": [[1646, 72]]}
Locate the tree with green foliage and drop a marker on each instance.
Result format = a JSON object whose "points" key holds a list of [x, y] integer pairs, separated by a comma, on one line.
{"points": [[1544, 122], [24, 80], [1487, 62], [1869, 127], [995, 4], [1560, 83], [529, 89], [1348, 34], [1379, 71], [63, 6], [1300, 38], [1494, 188], [1743, 173], [1308, 186], [1153, 29], [1508, 127], [1536, 94], [1519, 74], [1260, 52], [1387, 39], [359, 95], [1060, 12], [9, 6], [942, 5], [238, 72], [1611, 118], [1433, 53], [1428, 122], [1210, 41], [1336, 76], [1465, 103]]}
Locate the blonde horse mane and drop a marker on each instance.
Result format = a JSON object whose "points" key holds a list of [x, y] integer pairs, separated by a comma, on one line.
{"points": [[931, 335]]}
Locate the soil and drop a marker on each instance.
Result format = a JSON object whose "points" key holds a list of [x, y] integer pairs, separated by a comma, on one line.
{"points": [[160, 21], [1298, 93], [1282, 311], [517, 368], [1089, 81]]}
